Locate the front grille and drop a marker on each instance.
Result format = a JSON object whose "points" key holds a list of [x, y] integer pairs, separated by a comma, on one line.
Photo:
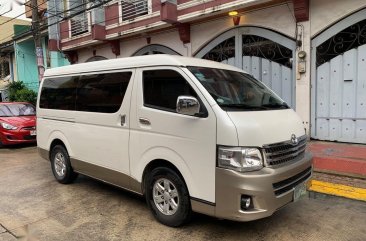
{"points": [[290, 183], [29, 128], [284, 152], [29, 138]]}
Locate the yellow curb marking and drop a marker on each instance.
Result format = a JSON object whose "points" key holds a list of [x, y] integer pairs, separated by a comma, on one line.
{"points": [[338, 190]]}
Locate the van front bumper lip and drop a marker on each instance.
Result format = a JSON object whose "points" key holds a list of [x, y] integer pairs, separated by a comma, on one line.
{"points": [[231, 185]]}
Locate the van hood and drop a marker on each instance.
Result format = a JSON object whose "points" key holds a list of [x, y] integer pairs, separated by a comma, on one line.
{"points": [[258, 128]]}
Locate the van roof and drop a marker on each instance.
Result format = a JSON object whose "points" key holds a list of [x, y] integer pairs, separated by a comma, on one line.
{"points": [[138, 61]]}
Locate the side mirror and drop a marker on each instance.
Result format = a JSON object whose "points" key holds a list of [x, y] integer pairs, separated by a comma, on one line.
{"points": [[187, 105]]}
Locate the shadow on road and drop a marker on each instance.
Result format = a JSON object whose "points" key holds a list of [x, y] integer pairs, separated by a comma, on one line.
{"points": [[18, 146]]}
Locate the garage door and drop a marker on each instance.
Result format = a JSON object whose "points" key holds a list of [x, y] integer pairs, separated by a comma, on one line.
{"points": [[339, 90]]}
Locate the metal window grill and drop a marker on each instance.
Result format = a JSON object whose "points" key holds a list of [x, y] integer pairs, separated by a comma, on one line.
{"points": [[79, 24], [134, 8]]}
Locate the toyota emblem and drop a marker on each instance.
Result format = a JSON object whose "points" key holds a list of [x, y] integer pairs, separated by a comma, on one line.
{"points": [[294, 139]]}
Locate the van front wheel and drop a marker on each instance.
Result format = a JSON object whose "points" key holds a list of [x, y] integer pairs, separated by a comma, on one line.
{"points": [[61, 166], [167, 197]]}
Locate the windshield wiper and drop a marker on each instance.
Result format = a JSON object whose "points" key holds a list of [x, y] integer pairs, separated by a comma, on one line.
{"points": [[277, 105], [243, 106]]}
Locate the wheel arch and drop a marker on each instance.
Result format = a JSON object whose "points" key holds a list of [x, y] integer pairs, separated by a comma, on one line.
{"points": [[160, 163], [57, 137]]}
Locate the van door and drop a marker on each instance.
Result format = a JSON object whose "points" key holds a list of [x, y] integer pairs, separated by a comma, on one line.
{"points": [[101, 134], [159, 132]]}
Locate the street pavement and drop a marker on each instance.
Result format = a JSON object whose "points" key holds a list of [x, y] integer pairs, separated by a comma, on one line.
{"points": [[34, 206]]}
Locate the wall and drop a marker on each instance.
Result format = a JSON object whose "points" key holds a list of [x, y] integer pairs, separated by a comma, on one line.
{"points": [[168, 38], [324, 13], [129, 47], [7, 30], [26, 64], [58, 59], [101, 50], [278, 18]]}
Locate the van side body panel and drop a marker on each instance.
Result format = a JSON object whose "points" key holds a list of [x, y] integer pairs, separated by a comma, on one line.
{"points": [[97, 142], [187, 142]]}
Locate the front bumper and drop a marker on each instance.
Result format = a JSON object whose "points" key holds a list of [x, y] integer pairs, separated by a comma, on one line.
{"points": [[10, 137], [231, 185]]}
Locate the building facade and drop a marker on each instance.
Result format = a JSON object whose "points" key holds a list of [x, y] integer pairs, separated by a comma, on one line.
{"points": [[17, 46], [26, 60], [310, 52], [7, 56]]}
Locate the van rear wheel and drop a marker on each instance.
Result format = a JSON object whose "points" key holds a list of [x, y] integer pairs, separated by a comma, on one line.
{"points": [[167, 196], [61, 166]]}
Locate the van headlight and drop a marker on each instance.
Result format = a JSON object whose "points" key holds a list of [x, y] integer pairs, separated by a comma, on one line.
{"points": [[240, 159]]}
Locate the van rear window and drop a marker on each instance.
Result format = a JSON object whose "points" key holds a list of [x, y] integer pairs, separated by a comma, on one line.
{"points": [[101, 93]]}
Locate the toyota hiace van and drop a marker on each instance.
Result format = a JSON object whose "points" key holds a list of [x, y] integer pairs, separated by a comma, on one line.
{"points": [[188, 134]]}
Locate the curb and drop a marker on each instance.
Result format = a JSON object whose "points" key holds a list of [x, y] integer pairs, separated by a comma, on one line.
{"points": [[337, 190], [352, 167]]}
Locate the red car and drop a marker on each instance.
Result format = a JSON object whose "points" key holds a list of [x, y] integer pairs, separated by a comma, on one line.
{"points": [[17, 123]]}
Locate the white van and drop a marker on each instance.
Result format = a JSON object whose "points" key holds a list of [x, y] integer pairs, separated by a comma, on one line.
{"points": [[188, 134]]}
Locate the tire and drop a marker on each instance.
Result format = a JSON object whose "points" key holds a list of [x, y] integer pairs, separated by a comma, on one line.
{"points": [[172, 205], [61, 166]]}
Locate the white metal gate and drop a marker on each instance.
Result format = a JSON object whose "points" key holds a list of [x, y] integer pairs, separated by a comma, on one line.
{"points": [[339, 82], [263, 53]]}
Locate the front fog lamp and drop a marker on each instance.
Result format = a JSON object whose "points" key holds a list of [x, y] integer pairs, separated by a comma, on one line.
{"points": [[246, 202], [240, 159]]}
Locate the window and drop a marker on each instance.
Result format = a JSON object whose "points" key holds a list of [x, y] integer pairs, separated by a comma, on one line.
{"points": [[102, 93], [236, 91], [59, 93], [162, 87], [79, 23], [134, 8], [9, 110]]}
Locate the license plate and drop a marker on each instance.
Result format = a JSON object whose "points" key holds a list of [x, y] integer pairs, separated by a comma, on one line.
{"points": [[33, 133], [300, 191]]}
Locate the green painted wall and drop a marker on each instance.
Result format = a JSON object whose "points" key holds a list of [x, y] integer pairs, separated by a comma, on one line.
{"points": [[26, 64], [20, 29], [27, 70], [58, 59]]}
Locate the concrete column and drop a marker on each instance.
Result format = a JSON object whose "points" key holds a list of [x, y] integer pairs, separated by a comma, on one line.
{"points": [[303, 99]]}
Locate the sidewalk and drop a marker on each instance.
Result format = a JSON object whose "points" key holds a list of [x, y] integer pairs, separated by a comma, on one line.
{"points": [[339, 169]]}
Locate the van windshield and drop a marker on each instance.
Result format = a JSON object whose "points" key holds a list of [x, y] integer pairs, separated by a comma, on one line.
{"points": [[237, 91]]}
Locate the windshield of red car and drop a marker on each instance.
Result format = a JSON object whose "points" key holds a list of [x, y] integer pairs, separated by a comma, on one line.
{"points": [[10, 110]]}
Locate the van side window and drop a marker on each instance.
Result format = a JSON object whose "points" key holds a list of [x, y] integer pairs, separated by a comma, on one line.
{"points": [[162, 87], [102, 92], [59, 93]]}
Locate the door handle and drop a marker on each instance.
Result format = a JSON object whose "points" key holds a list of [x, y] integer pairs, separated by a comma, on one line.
{"points": [[123, 120], [144, 121]]}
